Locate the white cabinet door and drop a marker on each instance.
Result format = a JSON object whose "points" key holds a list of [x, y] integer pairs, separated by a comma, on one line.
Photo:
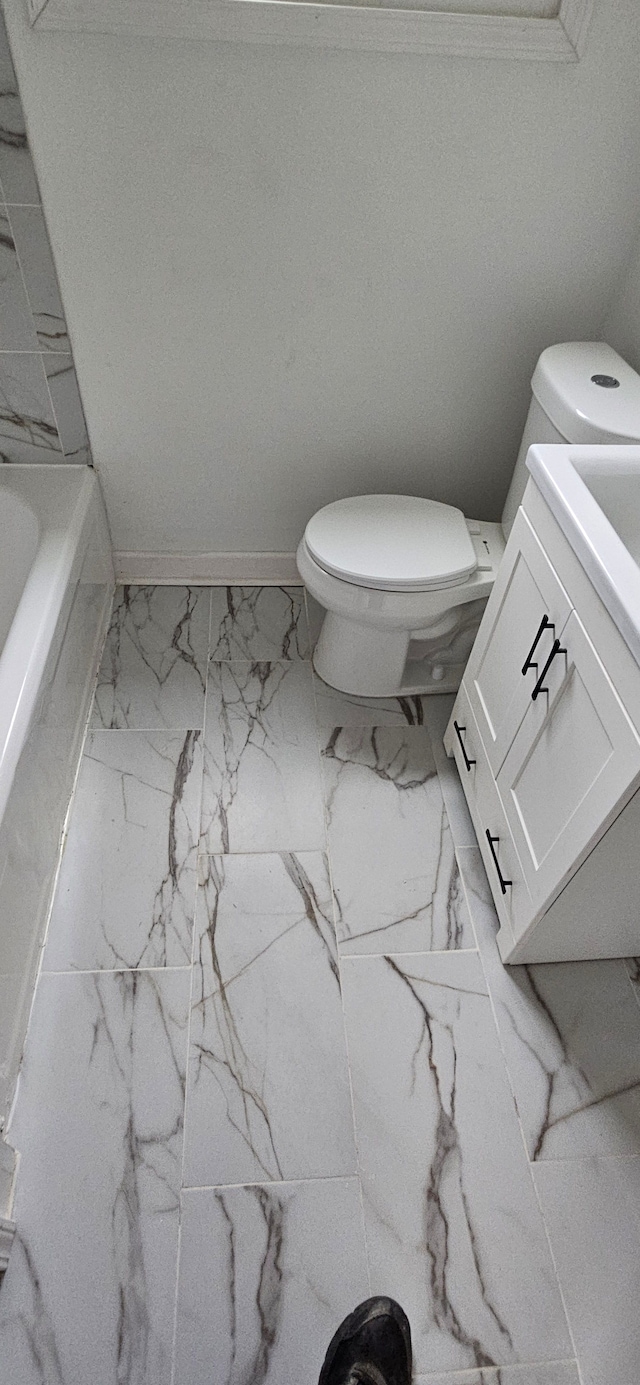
{"points": [[527, 609], [570, 767], [505, 873]]}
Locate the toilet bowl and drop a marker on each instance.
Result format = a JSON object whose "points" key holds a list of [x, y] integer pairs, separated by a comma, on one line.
{"points": [[404, 579]]}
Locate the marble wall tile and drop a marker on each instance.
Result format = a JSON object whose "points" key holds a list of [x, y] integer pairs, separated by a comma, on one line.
{"points": [[258, 623], [452, 1223], [268, 1093], [153, 670], [32, 242], [556, 1373], [17, 173], [17, 332], [65, 397], [266, 1276], [28, 431], [262, 788], [89, 1293], [394, 870], [126, 890], [347, 709], [571, 1038], [592, 1211]]}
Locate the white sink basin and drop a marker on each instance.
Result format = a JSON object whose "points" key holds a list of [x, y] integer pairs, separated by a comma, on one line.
{"points": [[594, 493]]}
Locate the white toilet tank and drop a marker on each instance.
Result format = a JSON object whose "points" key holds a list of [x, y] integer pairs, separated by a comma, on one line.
{"points": [[583, 392]]}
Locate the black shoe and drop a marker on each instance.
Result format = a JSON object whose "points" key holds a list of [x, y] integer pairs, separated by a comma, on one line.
{"points": [[371, 1347]]}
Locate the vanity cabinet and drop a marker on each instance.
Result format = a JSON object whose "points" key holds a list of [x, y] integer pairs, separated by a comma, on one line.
{"points": [[527, 608], [548, 750]]}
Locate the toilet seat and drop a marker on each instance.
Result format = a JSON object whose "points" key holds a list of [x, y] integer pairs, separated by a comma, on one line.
{"points": [[392, 543]]}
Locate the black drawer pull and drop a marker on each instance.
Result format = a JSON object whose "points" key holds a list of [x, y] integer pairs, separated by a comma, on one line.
{"points": [[556, 648], [504, 884], [458, 730], [545, 624]]}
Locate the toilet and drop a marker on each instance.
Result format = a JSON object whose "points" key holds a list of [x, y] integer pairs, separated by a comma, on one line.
{"points": [[404, 580]]}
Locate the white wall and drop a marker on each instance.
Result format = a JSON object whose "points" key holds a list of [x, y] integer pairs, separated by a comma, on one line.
{"points": [[293, 274], [622, 324]]}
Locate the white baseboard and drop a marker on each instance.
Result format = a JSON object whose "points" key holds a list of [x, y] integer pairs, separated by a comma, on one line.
{"points": [[207, 569]]}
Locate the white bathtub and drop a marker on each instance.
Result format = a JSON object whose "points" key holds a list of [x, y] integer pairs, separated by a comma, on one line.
{"points": [[56, 589]]}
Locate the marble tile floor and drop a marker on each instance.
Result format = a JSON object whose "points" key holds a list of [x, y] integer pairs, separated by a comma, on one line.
{"points": [[275, 1063]]}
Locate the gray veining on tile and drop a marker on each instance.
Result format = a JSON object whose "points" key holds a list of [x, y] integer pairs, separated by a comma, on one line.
{"points": [[153, 670], [17, 173], [394, 870], [268, 1093], [127, 884], [16, 325], [270, 1265], [258, 624], [28, 431], [65, 397], [571, 1038], [633, 968], [266, 1276], [592, 1211], [452, 1224], [554, 1373], [315, 617], [346, 709], [89, 1294], [262, 789], [30, 235]]}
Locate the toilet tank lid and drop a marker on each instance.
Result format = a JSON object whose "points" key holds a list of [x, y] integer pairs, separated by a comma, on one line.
{"points": [[392, 542], [583, 410]]}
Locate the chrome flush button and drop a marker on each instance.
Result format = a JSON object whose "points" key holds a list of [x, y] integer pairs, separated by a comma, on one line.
{"points": [[607, 382]]}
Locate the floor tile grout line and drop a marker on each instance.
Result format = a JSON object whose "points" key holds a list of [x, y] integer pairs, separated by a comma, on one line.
{"points": [[356, 1140], [194, 936], [494, 1015], [258, 659], [62, 846], [271, 1182], [158, 729], [414, 952], [323, 789], [585, 1159], [268, 851], [521, 1128], [116, 971], [558, 1280], [470, 1375]]}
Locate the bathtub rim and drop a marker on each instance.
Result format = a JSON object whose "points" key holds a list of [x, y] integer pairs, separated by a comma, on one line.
{"points": [[64, 535]]}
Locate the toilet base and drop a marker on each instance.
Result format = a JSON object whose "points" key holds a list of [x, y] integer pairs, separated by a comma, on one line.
{"points": [[364, 661]]}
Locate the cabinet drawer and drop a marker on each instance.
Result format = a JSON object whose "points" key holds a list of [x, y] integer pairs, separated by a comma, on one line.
{"points": [[572, 765], [500, 856], [462, 740], [527, 609]]}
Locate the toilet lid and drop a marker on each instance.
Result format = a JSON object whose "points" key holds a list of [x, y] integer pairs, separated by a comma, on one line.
{"points": [[395, 542]]}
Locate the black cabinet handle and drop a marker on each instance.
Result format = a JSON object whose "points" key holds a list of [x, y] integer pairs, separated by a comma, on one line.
{"points": [[545, 624], [458, 730], [556, 648], [504, 884]]}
